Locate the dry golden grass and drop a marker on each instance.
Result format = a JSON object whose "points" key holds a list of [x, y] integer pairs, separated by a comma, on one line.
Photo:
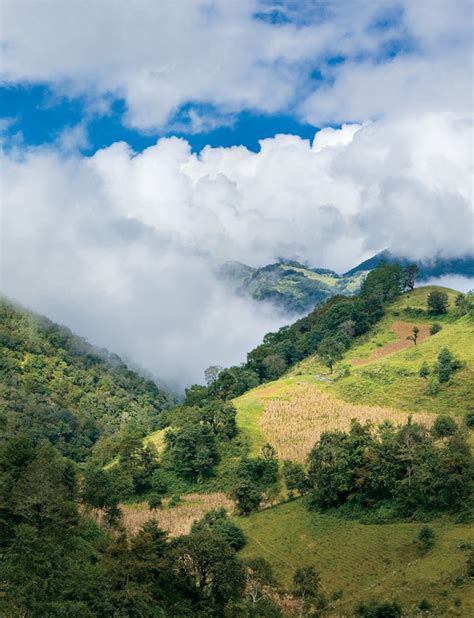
{"points": [[178, 520], [293, 425]]}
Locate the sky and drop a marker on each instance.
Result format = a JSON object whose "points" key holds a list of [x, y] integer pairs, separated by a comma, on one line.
{"points": [[145, 143]]}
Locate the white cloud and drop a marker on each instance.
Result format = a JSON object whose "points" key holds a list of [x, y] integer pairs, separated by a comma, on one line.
{"points": [[159, 56], [122, 246]]}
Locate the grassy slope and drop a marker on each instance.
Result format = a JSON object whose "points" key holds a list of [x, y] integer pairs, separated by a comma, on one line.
{"points": [[364, 561], [368, 560]]}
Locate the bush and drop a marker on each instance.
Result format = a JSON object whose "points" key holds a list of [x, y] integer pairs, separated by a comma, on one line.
{"points": [[379, 609], [435, 328], [470, 565], [443, 426], [424, 370], [426, 538], [425, 606], [469, 419], [432, 387]]}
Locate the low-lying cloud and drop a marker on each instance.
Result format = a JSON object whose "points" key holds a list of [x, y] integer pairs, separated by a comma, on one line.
{"points": [[122, 247]]}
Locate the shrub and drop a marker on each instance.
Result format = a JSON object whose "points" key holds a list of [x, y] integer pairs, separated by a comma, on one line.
{"points": [[432, 387], [435, 328], [424, 370], [426, 538], [469, 418], [443, 426], [470, 565], [379, 609], [425, 606]]}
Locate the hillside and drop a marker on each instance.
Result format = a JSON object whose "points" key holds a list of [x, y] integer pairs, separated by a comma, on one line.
{"points": [[355, 514], [374, 382], [59, 387], [291, 286], [297, 288], [429, 269]]}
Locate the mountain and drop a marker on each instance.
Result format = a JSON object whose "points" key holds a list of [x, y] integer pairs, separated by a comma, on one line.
{"points": [[341, 450], [296, 288], [429, 269], [291, 286], [63, 389]]}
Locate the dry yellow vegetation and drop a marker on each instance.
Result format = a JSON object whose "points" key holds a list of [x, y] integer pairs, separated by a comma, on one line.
{"points": [[293, 425], [179, 519]]}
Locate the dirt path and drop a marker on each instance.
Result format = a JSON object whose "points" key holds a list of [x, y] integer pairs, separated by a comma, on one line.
{"points": [[403, 330]]}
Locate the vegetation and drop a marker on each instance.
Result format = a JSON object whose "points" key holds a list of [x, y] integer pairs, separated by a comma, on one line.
{"points": [[62, 389], [350, 428]]}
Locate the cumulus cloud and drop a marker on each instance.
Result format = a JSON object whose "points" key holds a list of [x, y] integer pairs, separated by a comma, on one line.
{"points": [[328, 61], [122, 246]]}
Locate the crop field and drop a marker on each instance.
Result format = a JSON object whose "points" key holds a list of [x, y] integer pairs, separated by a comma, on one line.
{"points": [[365, 561], [292, 425], [179, 519]]}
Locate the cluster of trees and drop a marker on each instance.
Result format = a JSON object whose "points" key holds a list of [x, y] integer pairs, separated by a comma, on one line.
{"points": [[64, 390], [57, 562], [408, 469], [195, 436]]}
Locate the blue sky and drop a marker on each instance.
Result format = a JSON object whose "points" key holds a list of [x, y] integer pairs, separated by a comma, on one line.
{"points": [[39, 104], [40, 116]]}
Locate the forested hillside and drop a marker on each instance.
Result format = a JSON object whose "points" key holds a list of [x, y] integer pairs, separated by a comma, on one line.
{"points": [[58, 387]]}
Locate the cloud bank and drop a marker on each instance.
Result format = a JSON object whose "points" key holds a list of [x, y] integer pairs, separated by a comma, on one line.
{"points": [[122, 246]]}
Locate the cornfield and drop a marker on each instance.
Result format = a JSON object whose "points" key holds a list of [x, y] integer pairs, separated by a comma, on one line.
{"points": [[293, 425], [178, 520]]}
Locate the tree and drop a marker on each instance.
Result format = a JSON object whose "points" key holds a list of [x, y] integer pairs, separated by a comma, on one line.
{"points": [[193, 451], [444, 426], [411, 273], [330, 350], [437, 302], [211, 374], [463, 304], [295, 477], [274, 366], [414, 336], [435, 328], [100, 490], [210, 568], [220, 416], [387, 280], [220, 523], [306, 585], [247, 497], [259, 576], [446, 365]]}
